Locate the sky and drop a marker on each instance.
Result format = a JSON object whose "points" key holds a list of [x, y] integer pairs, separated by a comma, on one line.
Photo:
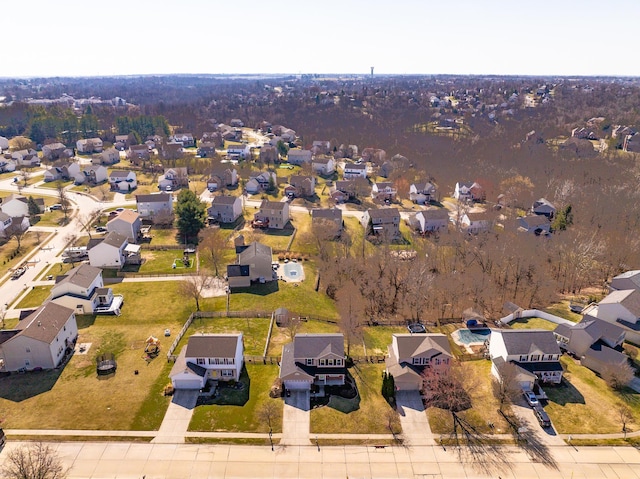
{"points": [[501, 37]]}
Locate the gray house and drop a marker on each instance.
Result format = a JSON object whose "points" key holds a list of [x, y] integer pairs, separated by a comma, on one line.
{"points": [[252, 264], [383, 222], [225, 209], [626, 280], [543, 207], [327, 218], [313, 360], [536, 224]]}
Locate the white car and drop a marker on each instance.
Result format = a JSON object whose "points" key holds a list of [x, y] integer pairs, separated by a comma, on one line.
{"points": [[531, 398]]}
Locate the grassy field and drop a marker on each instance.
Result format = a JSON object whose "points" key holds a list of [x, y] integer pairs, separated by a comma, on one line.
{"points": [[281, 336], [75, 398], [484, 409], [367, 411], [103, 191], [56, 269], [562, 309], [8, 256], [377, 339], [533, 323], [238, 412], [35, 298], [164, 236], [585, 404], [161, 262]]}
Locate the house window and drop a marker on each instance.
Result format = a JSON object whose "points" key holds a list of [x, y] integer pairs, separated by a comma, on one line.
{"points": [[523, 359], [437, 362], [26, 362], [227, 373], [338, 362], [535, 357], [309, 362], [322, 362], [212, 361], [200, 361], [330, 362], [28, 350]]}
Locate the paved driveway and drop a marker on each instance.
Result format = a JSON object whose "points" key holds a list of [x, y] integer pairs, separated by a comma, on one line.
{"points": [[178, 416], [295, 419], [546, 437], [415, 425]]}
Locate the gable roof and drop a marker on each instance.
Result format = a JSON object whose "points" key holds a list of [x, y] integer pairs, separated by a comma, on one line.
{"points": [[129, 216], [315, 345], [82, 276], [224, 200], [115, 239], [422, 345], [627, 280], [120, 173], [629, 298], [213, 345], [254, 249], [45, 323], [436, 214], [384, 213], [154, 198], [523, 342], [272, 205], [237, 270], [333, 214]]}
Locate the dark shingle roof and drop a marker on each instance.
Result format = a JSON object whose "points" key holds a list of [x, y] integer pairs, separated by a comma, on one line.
{"points": [[314, 345], [522, 342], [237, 270], [82, 276], [153, 198], [327, 213], [384, 213], [213, 345], [45, 323]]}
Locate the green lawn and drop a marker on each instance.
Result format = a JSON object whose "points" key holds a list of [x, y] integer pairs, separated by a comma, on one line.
{"points": [[562, 309], [74, 397], [281, 335], [585, 404], [370, 407], [234, 417], [254, 331], [163, 236], [56, 269], [484, 405], [378, 338], [533, 323], [35, 298], [161, 262], [53, 185]]}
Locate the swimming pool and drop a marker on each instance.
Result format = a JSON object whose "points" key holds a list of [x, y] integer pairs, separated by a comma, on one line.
{"points": [[468, 336], [293, 271]]}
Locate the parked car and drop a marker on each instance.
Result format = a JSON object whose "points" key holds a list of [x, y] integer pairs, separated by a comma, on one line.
{"points": [[18, 272], [57, 206], [531, 398], [100, 229], [542, 416]]}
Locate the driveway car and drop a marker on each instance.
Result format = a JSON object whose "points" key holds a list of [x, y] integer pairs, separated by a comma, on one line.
{"points": [[531, 398], [542, 416]]}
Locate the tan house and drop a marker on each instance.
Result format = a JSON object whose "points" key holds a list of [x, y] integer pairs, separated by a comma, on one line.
{"points": [[273, 214], [383, 222], [253, 264]]}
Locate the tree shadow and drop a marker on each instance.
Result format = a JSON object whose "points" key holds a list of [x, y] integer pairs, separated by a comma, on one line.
{"points": [[530, 442]]}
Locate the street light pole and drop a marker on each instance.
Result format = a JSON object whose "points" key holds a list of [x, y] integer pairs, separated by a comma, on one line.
{"points": [[270, 438]]}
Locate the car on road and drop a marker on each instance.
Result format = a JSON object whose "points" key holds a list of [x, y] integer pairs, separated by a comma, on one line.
{"points": [[18, 272], [531, 398], [119, 210], [542, 416]]}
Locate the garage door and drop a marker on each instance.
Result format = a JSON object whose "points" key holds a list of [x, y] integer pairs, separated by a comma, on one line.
{"points": [[297, 385], [187, 384]]}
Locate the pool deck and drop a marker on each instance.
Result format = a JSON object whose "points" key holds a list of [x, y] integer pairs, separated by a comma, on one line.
{"points": [[288, 279]]}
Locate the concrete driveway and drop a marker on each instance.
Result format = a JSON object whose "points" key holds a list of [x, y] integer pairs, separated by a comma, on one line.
{"points": [[415, 425], [178, 416], [547, 436], [296, 418]]}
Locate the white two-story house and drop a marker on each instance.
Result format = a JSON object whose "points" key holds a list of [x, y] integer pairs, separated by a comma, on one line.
{"points": [[82, 289], [219, 357]]}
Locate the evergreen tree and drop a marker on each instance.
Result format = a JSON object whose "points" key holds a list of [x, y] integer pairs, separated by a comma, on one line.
{"points": [[34, 209], [191, 213]]}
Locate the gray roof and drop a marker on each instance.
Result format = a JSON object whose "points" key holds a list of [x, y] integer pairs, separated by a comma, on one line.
{"points": [[436, 214], [237, 270], [627, 280], [4, 217], [153, 198], [182, 366], [272, 205], [629, 298], [355, 166], [45, 323], [119, 173], [535, 220], [115, 239], [82, 276], [289, 369], [213, 345], [253, 250], [422, 345], [384, 213], [224, 200], [333, 214], [525, 341], [315, 345]]}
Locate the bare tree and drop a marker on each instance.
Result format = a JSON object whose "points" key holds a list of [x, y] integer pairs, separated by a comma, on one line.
{"points": [[293, 326], [194, 285], [24, 176], [16, 232], [87, 220], [20, 143], [34, 461], [625, 415], [506, 389], [214, 243], [269, 412], [349, 305], [617, 377], [65, 204]]}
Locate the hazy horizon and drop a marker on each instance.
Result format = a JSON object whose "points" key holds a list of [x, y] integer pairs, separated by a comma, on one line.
{"points": [[78, 38]]}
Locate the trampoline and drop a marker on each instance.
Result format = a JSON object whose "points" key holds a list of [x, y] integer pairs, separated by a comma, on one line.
{"points": [[106, 364]]}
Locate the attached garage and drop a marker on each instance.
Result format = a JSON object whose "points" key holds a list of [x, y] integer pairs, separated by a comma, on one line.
{"points": [[186, 375]]}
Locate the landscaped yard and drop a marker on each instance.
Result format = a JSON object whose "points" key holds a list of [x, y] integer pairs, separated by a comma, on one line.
{"points": [[56, 269], [75, 398], [237, 412], [484, 409], [281, 335], [377, 339], [533, 323], [370, 407], [164, 236], [562, 309], [585, 404]]}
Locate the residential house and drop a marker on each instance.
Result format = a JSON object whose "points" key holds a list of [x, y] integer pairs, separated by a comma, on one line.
{"points": [[5, 224], [39, 341], [422, 192], [324, 166], [242, 151], [383, 191], [123, 180], [327, 220], [411, 354], [376, 156], [300, 186], [137, 153], [20, 155], [260, 182], [631, 143], [313, 361], [15, 205], [469, 191], [219, 357], [91, 145], [622, 308], [53, 151], [253, 263], [236, 123], [82, 289], [338, 197], [186, 139], [222, 177], [583, 133], [63, 171], [536, 224], [383, 222], [626, 280], [110, 156], [171, 151], [299, 157], [353, 188], [269, 154], [4, 143], [535, 354], [474, 223], [93, 174], [321, 147], [207, 149], [174, 178], [430, 221], [225, 209], [31, 161], [122, 142], [127, 224], [109, 251], [7, 165], [155, 207], [544, 208], [597, 343], [354, 170], [273, 214]]}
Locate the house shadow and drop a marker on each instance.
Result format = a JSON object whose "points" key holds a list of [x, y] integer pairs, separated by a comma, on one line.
{"points": [[227, 393], [85, 320], [259, 289], [21, 386], [565, 393]]}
